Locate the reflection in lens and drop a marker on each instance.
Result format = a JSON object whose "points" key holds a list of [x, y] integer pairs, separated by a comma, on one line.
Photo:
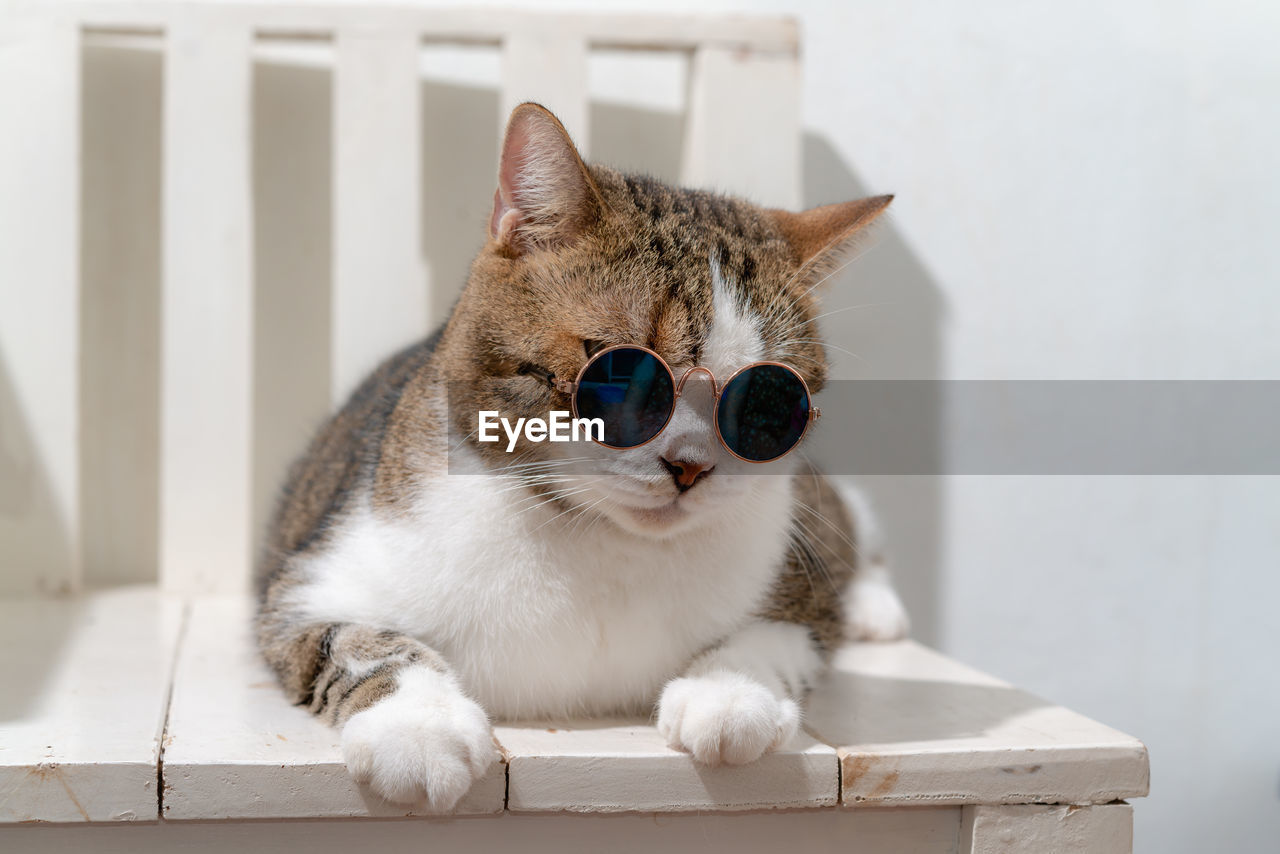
{"points": [[631, 391], [763, 412]]}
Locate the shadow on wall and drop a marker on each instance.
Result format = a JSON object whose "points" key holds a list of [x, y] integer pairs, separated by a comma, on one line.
{"points": [[888, 311], [36, 551], [120, 315], [118, 354], [886, 308], [35, 556], [292, 147]]}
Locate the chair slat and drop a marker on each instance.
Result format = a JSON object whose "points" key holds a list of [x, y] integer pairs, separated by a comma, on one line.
{"points": [[475, 25], [207, 359], [743, 130], [380, 294], [39, 305], [550, 68]]}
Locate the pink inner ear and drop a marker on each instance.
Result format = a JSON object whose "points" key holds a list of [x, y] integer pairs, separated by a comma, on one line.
{"points": [[505, 215], [499, 211], [514, 156], [504, 221]]}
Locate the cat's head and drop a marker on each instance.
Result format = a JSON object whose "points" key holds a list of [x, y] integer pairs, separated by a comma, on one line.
{"points": [[582, 257]]}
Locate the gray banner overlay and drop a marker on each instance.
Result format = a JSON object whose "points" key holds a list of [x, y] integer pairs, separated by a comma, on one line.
{"points": [[1049, 427], [1039, 427]]}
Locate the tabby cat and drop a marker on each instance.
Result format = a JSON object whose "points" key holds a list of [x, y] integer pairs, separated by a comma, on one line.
{"points": [[413, 585]]}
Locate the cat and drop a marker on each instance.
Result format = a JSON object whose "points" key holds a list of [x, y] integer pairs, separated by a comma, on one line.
{"points": [[414, 584]]}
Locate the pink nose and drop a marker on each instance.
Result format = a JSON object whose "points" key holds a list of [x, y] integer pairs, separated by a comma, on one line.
{"points": [[686, 473]]}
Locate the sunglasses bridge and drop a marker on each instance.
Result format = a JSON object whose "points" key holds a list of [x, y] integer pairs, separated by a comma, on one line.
{"points": [[715, 387]]}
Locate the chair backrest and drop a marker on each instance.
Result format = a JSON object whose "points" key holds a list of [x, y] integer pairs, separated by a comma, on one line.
{"points": [[740, 133]]}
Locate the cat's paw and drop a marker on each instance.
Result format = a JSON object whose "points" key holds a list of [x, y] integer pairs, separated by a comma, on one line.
{"points": [[725, 717], [425, 744], [874, 611]]}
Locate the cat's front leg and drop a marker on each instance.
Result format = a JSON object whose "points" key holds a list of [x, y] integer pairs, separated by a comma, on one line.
{"points": [[408, 728], [741, 698]]}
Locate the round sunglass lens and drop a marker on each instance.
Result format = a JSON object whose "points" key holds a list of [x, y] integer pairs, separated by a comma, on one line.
{"points": [[763, 412], [631, 391]]}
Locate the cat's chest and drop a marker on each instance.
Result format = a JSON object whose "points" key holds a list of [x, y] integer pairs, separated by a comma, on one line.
{"points": [[546, 616], [591, 620]]}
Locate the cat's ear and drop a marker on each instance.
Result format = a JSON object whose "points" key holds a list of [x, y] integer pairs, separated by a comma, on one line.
{"points": [[545, 194], [820, 236]]}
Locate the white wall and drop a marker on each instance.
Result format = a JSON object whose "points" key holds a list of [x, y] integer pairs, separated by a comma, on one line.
{"points": [[1092, 189]]}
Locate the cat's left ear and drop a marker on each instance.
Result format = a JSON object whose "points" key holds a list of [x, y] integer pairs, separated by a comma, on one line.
{"points": [[545, 194], [819, 237]]}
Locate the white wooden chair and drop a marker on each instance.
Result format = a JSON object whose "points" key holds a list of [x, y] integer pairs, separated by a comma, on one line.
{"points": [[149, 701]]}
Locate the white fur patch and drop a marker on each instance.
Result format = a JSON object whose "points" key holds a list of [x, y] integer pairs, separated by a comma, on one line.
{"points": [[735, 338], [725, 717], [740, 700], [873, 610], [426, 743], [780, 656]]}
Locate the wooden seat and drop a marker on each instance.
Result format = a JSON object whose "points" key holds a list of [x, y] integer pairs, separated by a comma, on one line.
{"points": [[894, 725]]}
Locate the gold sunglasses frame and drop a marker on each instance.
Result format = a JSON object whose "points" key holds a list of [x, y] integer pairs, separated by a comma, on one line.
{"points": [[571, 388]]}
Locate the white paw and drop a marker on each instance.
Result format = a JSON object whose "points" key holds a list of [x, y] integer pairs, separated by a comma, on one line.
{"points": [[426, 742], [725, 717], [875, 612]]}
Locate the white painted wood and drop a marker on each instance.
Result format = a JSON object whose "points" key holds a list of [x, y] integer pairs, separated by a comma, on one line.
{"points": [[379, 288], [229, 721], [912, 726], [548, 66], [237, 749], [85, 682], [207, 318], [461, 24], [1059, 829], [923, 830], [743, 129], [625, 766], [39, 304]]}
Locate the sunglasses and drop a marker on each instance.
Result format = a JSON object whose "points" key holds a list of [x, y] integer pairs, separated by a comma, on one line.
{"points": [[762, 411]]}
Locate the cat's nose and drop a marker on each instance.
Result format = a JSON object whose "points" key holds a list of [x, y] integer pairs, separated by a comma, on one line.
{"points": [[686, 473]]}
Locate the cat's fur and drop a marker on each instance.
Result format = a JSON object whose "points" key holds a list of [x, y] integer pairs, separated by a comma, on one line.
{"points": [[409, 589]]}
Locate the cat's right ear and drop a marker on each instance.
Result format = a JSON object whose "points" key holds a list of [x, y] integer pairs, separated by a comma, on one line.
{"points": [[545, 194], [820, 236]]}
